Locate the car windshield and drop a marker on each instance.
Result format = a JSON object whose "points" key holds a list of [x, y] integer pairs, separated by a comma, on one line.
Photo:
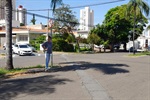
{"points": [[23, 46], [29, 45]]}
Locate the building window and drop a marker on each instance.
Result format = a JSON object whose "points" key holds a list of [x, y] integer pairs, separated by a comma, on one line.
{"points": [[23, 37]]}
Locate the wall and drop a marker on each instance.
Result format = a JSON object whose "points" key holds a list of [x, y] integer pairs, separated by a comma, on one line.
{"points": [[23, 34], [40, 26], [2, 41], [14, 23]]}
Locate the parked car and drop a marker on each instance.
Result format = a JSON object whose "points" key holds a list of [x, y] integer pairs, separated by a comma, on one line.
{"points": [[33, 49], [22, 49], [117, 46]]}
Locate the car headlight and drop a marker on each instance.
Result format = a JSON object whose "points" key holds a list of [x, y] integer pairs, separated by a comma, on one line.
{"points": [[21, 51]]}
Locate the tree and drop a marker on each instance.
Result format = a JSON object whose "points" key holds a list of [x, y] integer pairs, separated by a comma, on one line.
{"points": [[8, 19], [93, 39], [66, 20], [136, 7], [22, 24], [148, 27], [54, 3], [33, 20], [100, 30], [117, 25]]}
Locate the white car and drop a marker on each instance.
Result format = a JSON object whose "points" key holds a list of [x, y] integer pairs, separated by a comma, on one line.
{"points": [[33, 49], [22, 49]]}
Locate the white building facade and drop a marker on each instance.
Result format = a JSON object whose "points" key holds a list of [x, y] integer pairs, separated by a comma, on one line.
{"points": [[142, 43], [144, 39], [86, 19], [86, 22]]}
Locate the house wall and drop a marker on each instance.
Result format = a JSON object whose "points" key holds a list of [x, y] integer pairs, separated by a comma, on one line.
{"points": [[82, 34], [14, 23], [129, 45], [22, 38], [2, 41]]}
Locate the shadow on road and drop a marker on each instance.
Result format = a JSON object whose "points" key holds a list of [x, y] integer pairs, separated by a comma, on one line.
{"points": [[29, 86], [103, 67]]}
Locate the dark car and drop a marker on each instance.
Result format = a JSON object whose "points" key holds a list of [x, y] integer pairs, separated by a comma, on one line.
{"points": [[117, 46]]}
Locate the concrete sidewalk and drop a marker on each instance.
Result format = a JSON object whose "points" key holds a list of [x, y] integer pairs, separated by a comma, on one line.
{"points": [[61, 85]]}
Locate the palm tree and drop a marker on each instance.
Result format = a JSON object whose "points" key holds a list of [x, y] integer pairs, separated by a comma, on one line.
{"points": [[54, 3], [148, 27], [8, 19], [136, 7]]}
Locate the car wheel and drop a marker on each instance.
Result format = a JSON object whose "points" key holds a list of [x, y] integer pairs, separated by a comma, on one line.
{"points": [[19, 54]]}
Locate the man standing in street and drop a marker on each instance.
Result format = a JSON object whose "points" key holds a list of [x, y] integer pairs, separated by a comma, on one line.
{"points": [[47, 46]]}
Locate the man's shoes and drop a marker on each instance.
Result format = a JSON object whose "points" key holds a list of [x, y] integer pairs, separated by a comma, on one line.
{"points": [[47, 69]]}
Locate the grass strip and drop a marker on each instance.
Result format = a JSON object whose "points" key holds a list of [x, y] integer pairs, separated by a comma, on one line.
{"points": [[140, 54], [4, 72]]}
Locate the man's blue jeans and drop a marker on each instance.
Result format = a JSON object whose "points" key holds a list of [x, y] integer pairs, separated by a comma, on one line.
{"points": [[47, 59]]}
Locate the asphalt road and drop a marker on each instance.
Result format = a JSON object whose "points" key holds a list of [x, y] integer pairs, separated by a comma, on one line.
{"points": [[122, 77]]}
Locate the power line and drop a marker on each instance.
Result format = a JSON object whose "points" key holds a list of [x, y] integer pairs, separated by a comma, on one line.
{"points": [[46, 17], [83, 5]]}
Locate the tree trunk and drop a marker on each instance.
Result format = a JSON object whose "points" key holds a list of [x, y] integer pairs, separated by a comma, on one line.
{"points": [[125, 46], [78, 46], [134, 29], [8, 28], [104, 49], [111, 48]]}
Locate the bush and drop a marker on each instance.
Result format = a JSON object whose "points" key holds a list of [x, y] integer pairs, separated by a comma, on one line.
{"points": [[36, 42], [85, 49], [59, 44], [62, 45]]}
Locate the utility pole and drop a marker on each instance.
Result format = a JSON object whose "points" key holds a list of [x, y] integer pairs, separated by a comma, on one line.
{"points": [[47, 25], [52, 49]]}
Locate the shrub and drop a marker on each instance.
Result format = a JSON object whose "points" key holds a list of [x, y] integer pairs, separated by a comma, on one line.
{"points": [[62, 45], [36, 42], [59, 43]]}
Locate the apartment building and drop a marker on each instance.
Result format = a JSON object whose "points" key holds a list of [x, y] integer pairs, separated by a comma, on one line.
{"points": [[86, 19]]}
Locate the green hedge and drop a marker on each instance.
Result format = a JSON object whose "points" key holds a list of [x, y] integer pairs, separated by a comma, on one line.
{"points": [[59, 44], [62, 45]]}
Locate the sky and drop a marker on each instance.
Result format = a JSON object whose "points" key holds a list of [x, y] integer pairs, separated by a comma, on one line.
{"points": [[99, 10]]}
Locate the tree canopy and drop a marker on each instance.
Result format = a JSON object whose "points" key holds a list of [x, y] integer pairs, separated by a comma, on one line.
{"points": [[66, 20], [116, 26]]}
